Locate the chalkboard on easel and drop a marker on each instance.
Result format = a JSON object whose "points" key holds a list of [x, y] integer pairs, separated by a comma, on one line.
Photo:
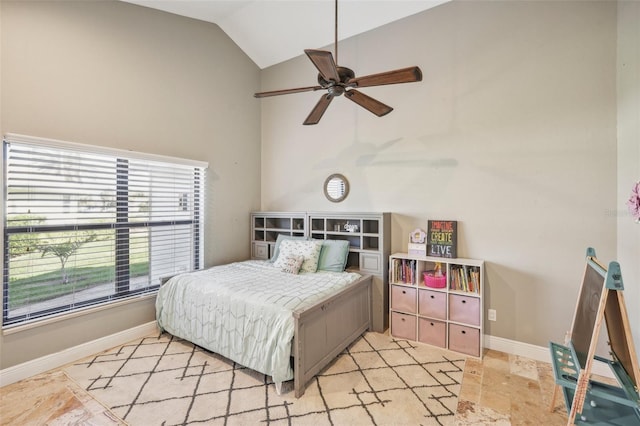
{"points": [[600, 300], [597, 284], [584, 320]]}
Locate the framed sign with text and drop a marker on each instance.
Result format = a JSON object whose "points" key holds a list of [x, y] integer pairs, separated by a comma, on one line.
{"points": [[442, 238]]}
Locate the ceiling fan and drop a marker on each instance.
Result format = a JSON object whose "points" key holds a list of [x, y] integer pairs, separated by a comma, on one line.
{"points": [[337, 80]]}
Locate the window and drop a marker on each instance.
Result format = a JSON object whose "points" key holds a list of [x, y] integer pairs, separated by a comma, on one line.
{"points": [[86, 225]]}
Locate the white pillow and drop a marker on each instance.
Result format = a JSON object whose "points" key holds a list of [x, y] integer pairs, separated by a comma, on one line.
{"points": [[279, 240], [292, 264], [310, 250]]}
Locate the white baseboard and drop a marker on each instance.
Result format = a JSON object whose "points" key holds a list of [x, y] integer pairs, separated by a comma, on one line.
{"points": [[538, 353], [58, 359], [49, 362]]}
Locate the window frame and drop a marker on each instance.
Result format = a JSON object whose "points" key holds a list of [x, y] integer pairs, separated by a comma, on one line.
{"points": [[121, 226]]}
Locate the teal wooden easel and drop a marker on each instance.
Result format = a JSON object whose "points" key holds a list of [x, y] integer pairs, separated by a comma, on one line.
{"points": [[589, 401]]}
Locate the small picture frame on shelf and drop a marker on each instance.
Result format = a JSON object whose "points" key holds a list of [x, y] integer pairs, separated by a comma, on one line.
{"points": [[417, 243], [350, 227], [418, 236]]}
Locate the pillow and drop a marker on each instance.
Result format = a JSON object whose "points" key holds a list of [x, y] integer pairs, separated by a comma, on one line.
{"points": [[310, 250], [281, 237], [333, 256], [292, 264]]}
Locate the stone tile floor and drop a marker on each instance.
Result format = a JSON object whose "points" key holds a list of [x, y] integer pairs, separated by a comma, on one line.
{"points": [[500, 389], [504, 389]]}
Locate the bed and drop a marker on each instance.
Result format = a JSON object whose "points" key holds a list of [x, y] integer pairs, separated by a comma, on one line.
{"points": [[287, 324]]}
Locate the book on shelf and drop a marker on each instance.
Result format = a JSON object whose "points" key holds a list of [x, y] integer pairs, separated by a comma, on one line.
{"points": [[474, 277], [442, 238], [465, 278], [404, 271]]}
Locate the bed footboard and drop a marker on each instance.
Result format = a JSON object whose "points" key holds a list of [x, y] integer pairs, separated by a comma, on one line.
{"points": [[327, 328]]}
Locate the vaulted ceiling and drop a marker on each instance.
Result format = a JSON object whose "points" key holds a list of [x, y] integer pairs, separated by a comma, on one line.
{"points": [[272, 31]]}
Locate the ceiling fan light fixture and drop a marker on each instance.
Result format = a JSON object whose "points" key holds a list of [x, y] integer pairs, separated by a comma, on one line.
{"points": [[337, 80]]}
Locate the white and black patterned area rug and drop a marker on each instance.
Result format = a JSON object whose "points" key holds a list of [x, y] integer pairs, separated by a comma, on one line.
{"points": [[378, 380]]}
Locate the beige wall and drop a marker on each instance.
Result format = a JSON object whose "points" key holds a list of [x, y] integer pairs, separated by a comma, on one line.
{"points": [[629, 155], [113, 74], [512, 132]]}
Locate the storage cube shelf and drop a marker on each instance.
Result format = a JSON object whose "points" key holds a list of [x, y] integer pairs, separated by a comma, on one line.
{"points": [[449, 316]]}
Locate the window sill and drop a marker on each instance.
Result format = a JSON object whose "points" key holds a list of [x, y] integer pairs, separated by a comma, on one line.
{"points": [[39, 322]]}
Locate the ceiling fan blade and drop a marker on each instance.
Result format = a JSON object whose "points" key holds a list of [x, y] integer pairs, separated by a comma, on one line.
{"points": [[323, 61], [286, 91], [403, 75], [318, 110], [368, 103]]}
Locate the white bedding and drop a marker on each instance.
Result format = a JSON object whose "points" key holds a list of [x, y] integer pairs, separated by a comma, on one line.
{"points": [[243, 310]]}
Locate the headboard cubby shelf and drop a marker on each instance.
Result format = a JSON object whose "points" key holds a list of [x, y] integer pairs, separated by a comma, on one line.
{"points": [[266, 226]]}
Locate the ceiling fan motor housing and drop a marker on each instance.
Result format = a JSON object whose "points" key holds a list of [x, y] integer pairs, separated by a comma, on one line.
{"points": [[337, 88]]}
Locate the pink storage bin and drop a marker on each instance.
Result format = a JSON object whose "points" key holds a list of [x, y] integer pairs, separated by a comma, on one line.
{"points": [[430, 280]]}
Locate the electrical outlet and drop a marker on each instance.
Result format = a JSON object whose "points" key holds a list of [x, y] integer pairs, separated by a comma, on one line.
{"points": [[492, 314]]}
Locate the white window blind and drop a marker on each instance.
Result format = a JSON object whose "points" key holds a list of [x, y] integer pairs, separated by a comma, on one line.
{"points": [[87, 225]]}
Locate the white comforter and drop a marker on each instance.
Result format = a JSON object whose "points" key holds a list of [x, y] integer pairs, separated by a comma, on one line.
{"points": [[243, 310]]}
